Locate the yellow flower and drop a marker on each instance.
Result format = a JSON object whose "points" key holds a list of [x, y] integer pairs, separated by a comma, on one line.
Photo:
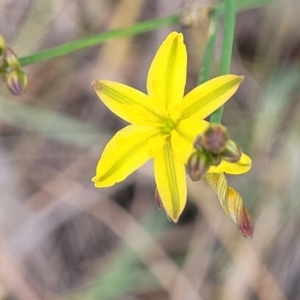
{"points": [[164, 124]]}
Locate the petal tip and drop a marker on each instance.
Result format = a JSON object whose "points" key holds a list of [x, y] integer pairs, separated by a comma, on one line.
{"points": [[103, 184], [97, 85], [175, 35], [241, 78], [174, 216], [173, 219], [245, 223]]}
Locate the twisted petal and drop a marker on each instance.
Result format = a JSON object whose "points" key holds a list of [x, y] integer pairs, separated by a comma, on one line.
{"points": [[167, 73], [184, 136], [170, 179], [124, 153], [126, 102], [242, 166], [232, 203], [209, 96]]}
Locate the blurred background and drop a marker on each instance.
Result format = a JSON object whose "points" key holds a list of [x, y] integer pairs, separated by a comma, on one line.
{"points": [[61, 238]]}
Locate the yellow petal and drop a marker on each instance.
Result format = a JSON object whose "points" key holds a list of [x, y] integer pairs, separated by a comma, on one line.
{"points": [[170, 177], [242, 166], [126, 102], [156, 143], [124, 153], [207, 97], [167, 73], [184, 136]]}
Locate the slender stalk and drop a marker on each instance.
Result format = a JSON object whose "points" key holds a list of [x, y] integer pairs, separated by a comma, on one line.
{"points": [[248, 4], [208, 56], [136, 29], [98, 39], [243, 5], [229, 24]]}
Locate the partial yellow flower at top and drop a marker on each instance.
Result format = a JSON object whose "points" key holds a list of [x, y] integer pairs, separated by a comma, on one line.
{"points": [[164, 124]]}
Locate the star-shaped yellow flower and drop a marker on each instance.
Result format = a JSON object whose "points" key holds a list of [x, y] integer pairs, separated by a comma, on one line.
{"points": [[164, 124]]}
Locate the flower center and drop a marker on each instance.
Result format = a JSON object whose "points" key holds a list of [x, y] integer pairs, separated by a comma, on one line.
{"points": [[168, 126]]}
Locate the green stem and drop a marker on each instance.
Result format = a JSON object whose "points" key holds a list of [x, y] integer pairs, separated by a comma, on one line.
{"points": [[243, 5], [135, 29], [98, 39], [249, 4], [229, 24], [208, 57]]}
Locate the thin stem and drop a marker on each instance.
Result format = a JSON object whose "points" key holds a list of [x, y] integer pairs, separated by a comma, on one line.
{"points": [[248, 4], [135, 29], [229, 24], [98, 39], [243, 5], [208, 56]]}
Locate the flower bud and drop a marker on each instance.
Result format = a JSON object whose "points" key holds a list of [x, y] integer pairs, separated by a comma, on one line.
{"points": [[16, 81], [158, 200], [214, 138], [245, 223], [10, 59], [198, 143], [232, 153], [215, 159], [232, 203], [2, 45], [239, 213], [197, 165]]}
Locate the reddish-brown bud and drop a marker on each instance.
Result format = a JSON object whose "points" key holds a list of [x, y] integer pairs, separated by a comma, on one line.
{"points": [[197, 165], [214, 138], [10, 59], [245, 223], [235, 208], [198, 143], [16, 81], [232, 153], [216, 159]]}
